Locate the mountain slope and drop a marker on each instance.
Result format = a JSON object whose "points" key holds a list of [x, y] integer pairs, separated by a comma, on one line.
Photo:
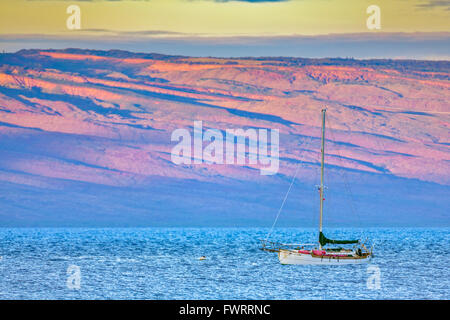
{"points": [[94, 120]]}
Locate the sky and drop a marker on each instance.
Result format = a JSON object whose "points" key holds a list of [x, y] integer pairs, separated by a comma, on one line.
{"points": [[231, 28]]}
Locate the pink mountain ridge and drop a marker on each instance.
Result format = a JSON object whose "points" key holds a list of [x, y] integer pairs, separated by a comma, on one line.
{"points": [[85, 138]]}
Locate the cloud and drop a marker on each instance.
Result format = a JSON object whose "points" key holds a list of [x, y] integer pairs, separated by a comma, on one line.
{"points": [[143, 33], [429, 4]]}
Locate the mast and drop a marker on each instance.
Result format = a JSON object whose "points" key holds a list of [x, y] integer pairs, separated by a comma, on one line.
{"points": [[321, 188]]}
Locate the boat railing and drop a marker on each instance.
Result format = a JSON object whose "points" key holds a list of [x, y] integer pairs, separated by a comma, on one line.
{"points": [[272, 246]]}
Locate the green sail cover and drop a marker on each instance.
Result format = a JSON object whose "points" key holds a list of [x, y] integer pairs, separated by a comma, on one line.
{"points": [[324, 240]]}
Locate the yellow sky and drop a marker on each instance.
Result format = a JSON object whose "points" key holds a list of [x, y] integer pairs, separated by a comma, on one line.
{"points": [[207, 17]]}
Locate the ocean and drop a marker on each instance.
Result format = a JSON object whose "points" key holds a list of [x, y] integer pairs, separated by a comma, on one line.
{"points": [[163, 263]]}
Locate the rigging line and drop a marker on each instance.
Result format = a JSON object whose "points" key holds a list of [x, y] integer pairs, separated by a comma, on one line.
{"points": [[282, 204], [380, 146], [305, 146]]}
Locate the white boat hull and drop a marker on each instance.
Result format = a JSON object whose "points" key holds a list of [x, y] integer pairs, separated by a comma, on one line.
{"points": [[293, 257]]}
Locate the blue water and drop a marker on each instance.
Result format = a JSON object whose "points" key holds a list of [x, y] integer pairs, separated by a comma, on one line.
{"points": [[158, 263]]}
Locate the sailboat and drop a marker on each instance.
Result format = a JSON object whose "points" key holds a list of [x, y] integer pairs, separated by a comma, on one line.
{"points": [[313, 254]]}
